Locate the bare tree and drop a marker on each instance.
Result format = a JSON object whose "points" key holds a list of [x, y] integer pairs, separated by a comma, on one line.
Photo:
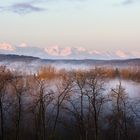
{"points": [[62, 93], [87, 109], [5, 77], [95, 88], [41, 99], [19, 89], [80, 80], [120, 108]]}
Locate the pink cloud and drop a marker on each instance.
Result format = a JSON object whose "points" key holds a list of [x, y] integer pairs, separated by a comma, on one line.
{"points": [[6, 47], [81, 49], [121, 54], [83, 52], [23, 45], [66, 52], [95, 52], [54, 50], [135, 53], [57, 51]]}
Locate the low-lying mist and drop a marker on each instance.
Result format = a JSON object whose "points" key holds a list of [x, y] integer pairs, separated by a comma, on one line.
{"points": [[53, 103]]}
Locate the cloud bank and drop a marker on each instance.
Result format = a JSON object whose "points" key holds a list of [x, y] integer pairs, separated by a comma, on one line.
{"points": [[30, 6], [6, 47], [57, 52], [22, 7]]}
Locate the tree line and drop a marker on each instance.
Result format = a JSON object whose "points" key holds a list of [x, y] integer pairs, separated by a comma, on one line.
{"points": [[60, 104]]}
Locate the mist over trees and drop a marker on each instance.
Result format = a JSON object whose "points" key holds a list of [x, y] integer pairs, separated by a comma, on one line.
{"points": [[68, 105]]}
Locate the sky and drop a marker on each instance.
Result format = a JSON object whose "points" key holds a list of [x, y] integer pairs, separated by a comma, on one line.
{"points": [[71, 29]]}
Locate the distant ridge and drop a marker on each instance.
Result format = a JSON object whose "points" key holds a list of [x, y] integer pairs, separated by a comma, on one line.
{"points": [[30, 63], [13, 57]]}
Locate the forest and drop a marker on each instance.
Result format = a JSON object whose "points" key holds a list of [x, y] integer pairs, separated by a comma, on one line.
{"points": [[65, 104]]}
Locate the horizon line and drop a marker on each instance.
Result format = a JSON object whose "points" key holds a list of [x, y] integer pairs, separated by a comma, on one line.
{"points": [[76, 59]]}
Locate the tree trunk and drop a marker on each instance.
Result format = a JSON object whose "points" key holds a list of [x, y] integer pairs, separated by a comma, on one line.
{"points": [[18, 119], [96, 123], [56, 119], [2, 121]]}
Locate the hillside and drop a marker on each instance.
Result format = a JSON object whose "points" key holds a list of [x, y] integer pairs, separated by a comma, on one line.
{"points": [[29, 63]]}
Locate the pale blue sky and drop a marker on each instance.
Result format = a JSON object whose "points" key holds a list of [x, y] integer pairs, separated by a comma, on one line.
{"points": [[80, 28]]}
